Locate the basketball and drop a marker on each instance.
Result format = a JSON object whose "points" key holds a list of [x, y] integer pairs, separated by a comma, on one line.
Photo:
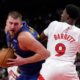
{"points": [[5, 54]]}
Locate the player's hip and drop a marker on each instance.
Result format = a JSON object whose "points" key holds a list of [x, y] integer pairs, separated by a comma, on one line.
{"points": [[55, 67]]}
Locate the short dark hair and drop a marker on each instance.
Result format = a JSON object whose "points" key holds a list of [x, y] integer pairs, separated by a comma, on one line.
{"points": [[15, 14], [73, 11]]}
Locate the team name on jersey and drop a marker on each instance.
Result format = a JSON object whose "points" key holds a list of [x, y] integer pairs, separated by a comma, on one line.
{"points": [[64, 36]]}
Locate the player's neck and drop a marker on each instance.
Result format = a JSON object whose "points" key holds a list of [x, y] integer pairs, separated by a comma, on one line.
{"points": [[72, 22]]}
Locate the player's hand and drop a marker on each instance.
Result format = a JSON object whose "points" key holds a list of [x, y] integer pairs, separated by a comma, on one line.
{"points": [[16, 62]]}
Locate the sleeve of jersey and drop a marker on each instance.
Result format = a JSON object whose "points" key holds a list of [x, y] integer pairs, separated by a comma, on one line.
{"points": [[46, 31], [50, 27]]}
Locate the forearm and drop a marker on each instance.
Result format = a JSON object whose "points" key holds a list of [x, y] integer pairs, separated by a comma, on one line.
{"points": [[37, 57]]}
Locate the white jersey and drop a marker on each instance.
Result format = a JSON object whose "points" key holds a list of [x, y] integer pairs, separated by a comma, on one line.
{"points": [[63, 41], [63, 44]]}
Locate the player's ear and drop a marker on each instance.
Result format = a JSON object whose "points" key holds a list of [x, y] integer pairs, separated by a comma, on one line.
{"points": [[68, 17]]}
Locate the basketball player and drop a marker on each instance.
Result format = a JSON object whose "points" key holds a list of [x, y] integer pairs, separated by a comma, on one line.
{"points": [[63, 44], [13, 72], [30, 54]]}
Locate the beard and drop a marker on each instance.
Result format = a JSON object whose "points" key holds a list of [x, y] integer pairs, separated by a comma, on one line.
{"points": [[12, 33]]}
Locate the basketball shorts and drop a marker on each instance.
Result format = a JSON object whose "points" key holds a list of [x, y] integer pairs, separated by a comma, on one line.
{"points": [[58, 70], [27, 77]]}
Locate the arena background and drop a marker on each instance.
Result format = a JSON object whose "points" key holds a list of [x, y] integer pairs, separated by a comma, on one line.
{"points": [[37, 13]]}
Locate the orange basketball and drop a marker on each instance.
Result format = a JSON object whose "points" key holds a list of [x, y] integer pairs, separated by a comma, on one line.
{"points": [[4, 55]]}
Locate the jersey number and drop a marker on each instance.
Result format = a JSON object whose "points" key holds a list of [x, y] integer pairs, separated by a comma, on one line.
{"points": [[60, 49]]}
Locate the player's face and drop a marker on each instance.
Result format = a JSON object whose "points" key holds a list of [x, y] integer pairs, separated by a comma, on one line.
{"points": [[64, 16], [13, 25]]}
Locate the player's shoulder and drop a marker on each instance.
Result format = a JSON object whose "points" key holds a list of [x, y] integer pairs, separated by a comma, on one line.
{"points": [[24, 35], [58, 23], [54, 22], [76, 28]]}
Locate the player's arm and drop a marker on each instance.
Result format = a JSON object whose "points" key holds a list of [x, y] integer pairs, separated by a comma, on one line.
{"points": [[28, 42], [43, 37]]}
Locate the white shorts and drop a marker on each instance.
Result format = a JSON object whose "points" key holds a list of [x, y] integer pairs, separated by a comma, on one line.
{"points": [[58, 70]]}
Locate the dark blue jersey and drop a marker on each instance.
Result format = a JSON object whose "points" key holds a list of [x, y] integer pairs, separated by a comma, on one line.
{"points": [[28, 69]]}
